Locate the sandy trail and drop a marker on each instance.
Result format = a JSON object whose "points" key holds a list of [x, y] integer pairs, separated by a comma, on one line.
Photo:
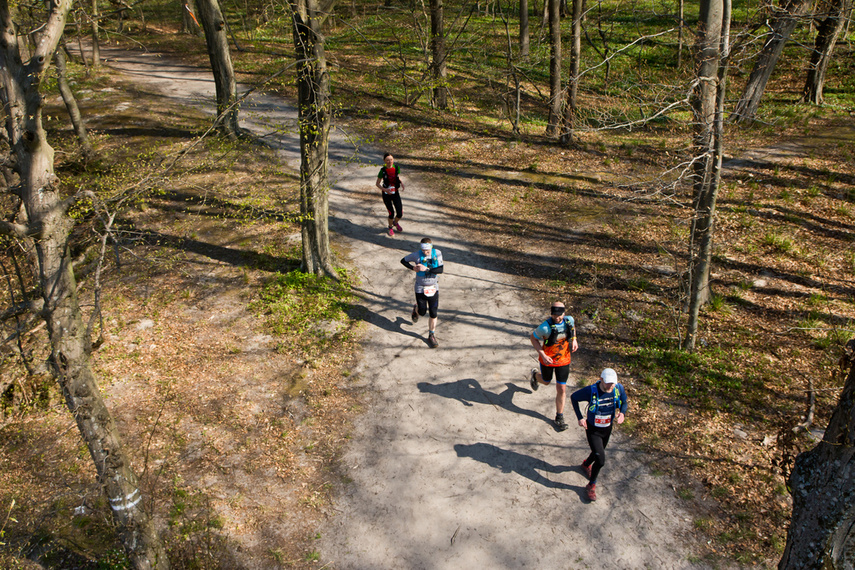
{"points": [[455, 463]]}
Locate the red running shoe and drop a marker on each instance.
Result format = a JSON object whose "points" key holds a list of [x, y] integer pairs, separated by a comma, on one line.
{"points": [[591, 488], [587, 469]]}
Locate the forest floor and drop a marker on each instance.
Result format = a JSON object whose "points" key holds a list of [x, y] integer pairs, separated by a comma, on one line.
{"points": [[247, 448]]}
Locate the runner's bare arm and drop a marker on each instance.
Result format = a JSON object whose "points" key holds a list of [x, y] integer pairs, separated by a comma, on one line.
{"points": [[535, 342]]}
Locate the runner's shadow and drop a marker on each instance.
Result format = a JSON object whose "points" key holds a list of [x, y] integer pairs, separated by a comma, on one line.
{"points": [[364, 313], [513, 462], [469, 391]]}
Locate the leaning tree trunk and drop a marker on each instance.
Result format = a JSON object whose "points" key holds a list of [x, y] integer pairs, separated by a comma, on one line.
{"points": [[707, 108], [71, 105], [555, 92], [822, 529], [826, 37], [217, 42], [780, 29], [313, 102], [439, 68], [46, 220]]}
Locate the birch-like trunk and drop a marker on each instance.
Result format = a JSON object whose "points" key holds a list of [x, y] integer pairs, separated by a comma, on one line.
{"points": [[45, 219], [707, 109]]}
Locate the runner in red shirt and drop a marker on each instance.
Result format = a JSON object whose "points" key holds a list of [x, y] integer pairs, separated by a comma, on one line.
{"points": [[389, 183]]}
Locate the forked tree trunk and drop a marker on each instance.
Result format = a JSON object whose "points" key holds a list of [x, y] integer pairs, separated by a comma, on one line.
{"points": [[707, 110], [826, 37], [781, 28], [217, 42], [555, 92], [822, 529], [313, 102], [439, 68], [46, 219]]}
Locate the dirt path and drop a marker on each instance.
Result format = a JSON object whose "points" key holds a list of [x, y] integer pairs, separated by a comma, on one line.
{"points": [[455, 463]]}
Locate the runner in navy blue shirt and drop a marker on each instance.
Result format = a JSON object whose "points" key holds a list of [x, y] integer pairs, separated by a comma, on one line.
{"points": [[607, 404]]}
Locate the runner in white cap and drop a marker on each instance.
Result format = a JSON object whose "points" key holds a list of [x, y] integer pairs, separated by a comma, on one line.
{"points": [[606, 405]]}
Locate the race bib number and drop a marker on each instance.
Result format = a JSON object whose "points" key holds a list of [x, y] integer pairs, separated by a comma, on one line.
{"points": [[429, 290], [602, 421]]}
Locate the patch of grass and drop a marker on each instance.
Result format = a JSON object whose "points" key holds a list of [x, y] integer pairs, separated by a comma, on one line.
{"points": [[778, 242], [836, 337], [719, 304], [817, 299], [639, 284], [302, 305], [313, 556]]}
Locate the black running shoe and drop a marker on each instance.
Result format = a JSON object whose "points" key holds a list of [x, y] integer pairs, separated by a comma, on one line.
{"points": [[415, 314], [533, 380], [560, 424], [432, 341]]}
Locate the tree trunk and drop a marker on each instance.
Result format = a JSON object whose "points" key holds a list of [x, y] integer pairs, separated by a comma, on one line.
{"points": [[573, 85], [47, 221], [780, 29], [439, 71], [96, 45], [214, 26], [313, 91], [524, 33], [822, 529], [555, 92], [707, 109], [189, 25], [71, 105], [513, 100], [681, 8], [826, 37]]}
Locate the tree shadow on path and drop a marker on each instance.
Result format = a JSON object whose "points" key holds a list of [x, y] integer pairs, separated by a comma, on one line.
{"points": [[469, 391], [513, 462]]}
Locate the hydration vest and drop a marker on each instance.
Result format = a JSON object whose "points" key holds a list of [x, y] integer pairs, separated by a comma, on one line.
{"points": [[430, 262], [594, 404], [393, 180], [554, 332]]}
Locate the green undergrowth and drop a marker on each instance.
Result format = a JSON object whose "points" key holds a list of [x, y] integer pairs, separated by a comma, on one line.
{"points": [[310, 310]]}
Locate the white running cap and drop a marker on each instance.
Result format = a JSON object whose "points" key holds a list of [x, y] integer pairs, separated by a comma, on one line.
{"points": [[608, 376]]}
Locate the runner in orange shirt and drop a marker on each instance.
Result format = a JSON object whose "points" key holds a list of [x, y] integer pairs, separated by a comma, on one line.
{"points": [[554, 340]]}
